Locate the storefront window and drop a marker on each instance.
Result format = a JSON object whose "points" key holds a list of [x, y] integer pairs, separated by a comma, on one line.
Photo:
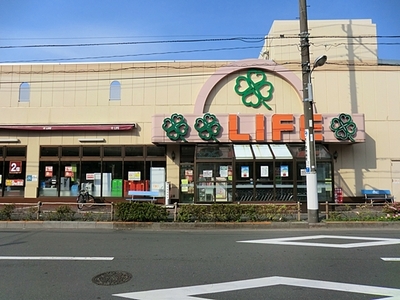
{"points": [[134, 177], [186, 183], [134, 151], [264, 181], [213, 152], [244, 174], [69, 178], [49, 151], [91, 177], [48, 174], [15, 178], [112, 179]]}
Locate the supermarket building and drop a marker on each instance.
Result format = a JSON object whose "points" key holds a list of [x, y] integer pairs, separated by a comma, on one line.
{"points": [[216, 131]]}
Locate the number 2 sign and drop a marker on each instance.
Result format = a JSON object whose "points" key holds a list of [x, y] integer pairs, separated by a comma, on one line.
{"points": [[15, 167]]}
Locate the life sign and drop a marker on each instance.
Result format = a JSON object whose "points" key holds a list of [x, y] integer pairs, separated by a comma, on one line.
{"points": [[257, 128]]}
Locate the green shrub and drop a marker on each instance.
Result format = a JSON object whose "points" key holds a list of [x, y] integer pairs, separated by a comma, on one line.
{"points": [[6, 212], [140, 212], [233, 213], [63, 213]]}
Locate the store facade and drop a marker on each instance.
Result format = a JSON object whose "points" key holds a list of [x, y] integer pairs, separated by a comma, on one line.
{"points": [[215, 131]]}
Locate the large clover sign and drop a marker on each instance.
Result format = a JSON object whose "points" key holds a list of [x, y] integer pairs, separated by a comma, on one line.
{"points": [[208, 127], [175, 127], [344, 127], [254, 84]]}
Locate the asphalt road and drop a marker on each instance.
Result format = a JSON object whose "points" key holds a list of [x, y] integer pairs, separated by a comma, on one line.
{"points": [[199, 264]]}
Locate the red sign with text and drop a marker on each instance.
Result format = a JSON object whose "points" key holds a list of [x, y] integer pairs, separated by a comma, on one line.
{"points": [[15, 167]]}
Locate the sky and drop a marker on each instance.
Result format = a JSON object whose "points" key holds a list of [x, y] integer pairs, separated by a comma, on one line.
{"points": [[43, 31]]}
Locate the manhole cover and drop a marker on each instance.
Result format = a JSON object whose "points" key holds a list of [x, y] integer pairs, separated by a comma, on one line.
{"points": [[112, 278]]}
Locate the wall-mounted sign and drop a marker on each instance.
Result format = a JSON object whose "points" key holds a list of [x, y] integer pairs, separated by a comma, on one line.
{"points": [[254, 89], [254, 128], [15, 167]]}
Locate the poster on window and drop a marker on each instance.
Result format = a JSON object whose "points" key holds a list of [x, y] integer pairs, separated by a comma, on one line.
{"points": [[68, 171], [189, 175], [264, 171], [221, 189], [223, 171], [244, 171], [48, 171], [15, 167], [157, 181], [134, 175], [284, 171], [207, 173]]}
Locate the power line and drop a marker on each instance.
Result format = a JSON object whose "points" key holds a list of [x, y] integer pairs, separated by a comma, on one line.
{"points": [[241, 39]]}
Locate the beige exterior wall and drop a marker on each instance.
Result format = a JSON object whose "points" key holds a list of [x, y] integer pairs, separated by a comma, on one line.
{"points": [[79, 94]]}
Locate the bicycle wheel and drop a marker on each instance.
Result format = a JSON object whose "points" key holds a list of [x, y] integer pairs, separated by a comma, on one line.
{"points": [[80, 200], [89, 200]]}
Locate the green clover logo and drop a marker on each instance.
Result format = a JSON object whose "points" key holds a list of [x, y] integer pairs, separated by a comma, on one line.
{"points": [[344, 127], [254, 84], [175, 127], [208, 127]]}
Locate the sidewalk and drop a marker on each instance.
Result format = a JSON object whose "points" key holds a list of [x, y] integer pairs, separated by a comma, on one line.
{"points": [[196, 225]]}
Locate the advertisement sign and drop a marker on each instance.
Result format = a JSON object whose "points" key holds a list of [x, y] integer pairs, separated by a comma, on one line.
{"points": [[15, 167], [134, 175], [284, 171], [14, 182], [48, 171], [264, 171], [68, 171], [244, 171]]}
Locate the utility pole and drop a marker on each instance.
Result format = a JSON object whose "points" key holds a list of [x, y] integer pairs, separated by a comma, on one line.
{"points": [[311, 165]]}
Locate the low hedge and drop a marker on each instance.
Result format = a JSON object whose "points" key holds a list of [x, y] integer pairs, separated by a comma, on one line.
{"points": [[234, 213], [140, 212]]}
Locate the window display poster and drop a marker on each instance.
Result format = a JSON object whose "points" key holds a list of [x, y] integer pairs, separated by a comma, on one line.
{"points": [[48, 171], [157, 180], [223, 171], [14, 182], [207, 173], [220, 189], [264, 171], [134, 175], [89, 176], [284, 171], [68, 171], [184, 185], [230, 172], [189, 175], [244, 171]]}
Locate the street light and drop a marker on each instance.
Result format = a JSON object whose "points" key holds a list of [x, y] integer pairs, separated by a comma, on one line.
{"points": [[311, 160]]}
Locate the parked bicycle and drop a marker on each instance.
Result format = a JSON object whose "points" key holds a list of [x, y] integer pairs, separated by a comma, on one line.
{"points": [[85, 199]]}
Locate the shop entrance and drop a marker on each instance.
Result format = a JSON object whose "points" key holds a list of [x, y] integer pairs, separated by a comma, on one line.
{"points": [[243, 173]]}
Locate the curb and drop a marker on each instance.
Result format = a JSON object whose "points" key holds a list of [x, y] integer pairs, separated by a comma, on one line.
{"points": [[194, 226]]}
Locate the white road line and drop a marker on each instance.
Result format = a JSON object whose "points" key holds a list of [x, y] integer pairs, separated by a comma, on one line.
{"points": [[390, 258], [194, 292], [297, 241], [54, 258]]}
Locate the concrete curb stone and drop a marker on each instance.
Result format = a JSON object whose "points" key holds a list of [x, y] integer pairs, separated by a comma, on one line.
{"points": [[194, 226]]}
